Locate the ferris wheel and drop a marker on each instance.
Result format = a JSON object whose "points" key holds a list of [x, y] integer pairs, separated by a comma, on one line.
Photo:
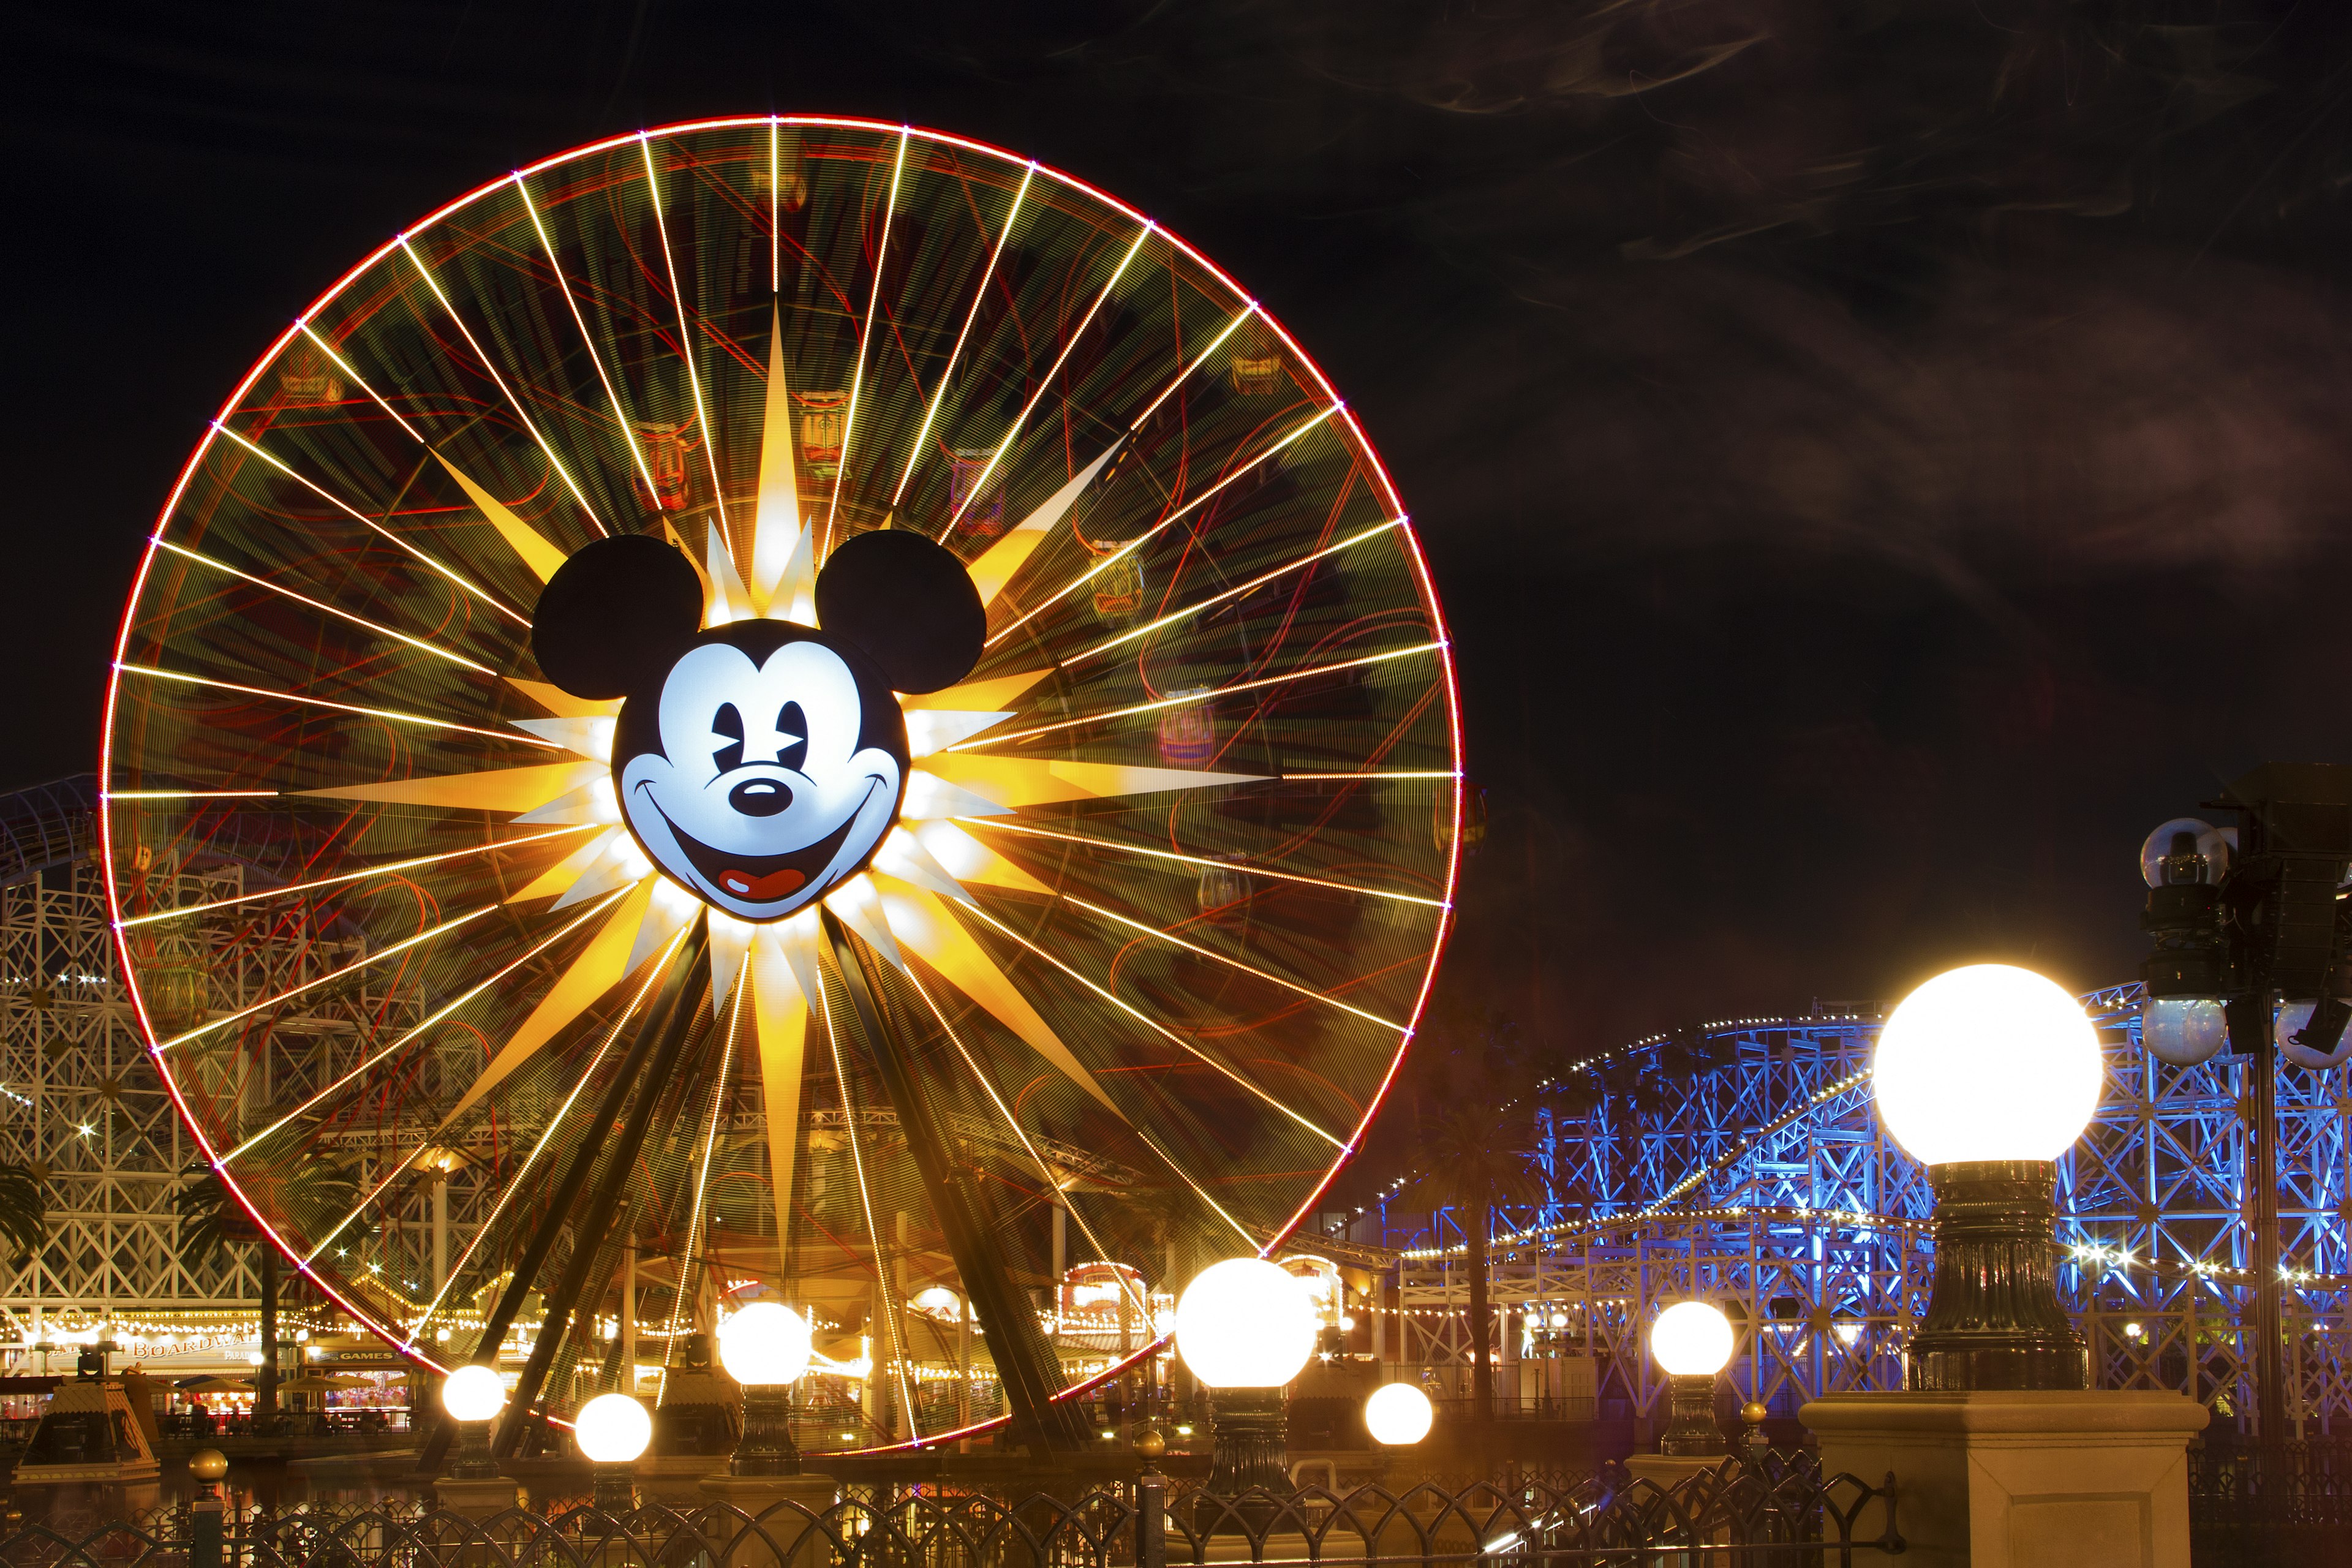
{"points": [[843, 718]]}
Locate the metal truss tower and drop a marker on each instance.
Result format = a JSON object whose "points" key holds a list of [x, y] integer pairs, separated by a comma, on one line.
{"points": [[1743, 1163], [82, 1105]]}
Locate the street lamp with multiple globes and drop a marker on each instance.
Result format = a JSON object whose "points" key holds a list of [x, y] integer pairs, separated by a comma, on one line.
{"points": [[1691, 1341], [472, 1396], [766, 1348], [613, 1430], [1985, 1074], [1245, 1327]]}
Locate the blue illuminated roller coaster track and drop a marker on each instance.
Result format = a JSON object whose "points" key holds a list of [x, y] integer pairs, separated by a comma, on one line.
{"points": [[1742, 1163]]}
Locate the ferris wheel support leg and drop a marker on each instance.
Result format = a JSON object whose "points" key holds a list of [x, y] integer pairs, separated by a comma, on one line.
{"points": [[1027, 1365], [589, 1227], [436, 1448]]}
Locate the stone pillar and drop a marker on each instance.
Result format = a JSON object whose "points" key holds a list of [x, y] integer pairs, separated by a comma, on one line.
{"points": [[1991, 1478], [477, 1499]]}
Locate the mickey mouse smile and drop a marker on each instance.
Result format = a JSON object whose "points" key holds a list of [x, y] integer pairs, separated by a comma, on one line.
{"points": [[761, 878], [759, 763]]}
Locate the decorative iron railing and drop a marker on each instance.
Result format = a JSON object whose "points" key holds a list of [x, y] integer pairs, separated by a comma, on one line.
{"points": [[2249, 1507], [1752, 1511]]}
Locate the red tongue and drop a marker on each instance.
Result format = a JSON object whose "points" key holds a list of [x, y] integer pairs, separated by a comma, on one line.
{"points": [[762, 890]]}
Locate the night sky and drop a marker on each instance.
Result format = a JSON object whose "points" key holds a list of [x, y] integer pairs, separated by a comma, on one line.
{"points": [[1880, 459]]}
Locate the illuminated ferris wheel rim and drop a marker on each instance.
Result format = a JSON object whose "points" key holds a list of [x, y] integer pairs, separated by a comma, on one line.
{"points": [[1337, 412]]}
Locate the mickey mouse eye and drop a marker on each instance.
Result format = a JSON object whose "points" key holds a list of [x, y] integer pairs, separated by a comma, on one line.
{"points": [[729, 727], [792, 724]]}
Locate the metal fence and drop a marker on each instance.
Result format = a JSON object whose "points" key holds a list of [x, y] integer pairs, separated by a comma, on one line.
{"points": [[2250, 1507], [1755, 1510]]}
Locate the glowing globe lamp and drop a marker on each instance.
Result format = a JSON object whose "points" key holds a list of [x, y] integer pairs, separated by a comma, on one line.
{"points": [[1989, 1062], [613, 1430], [765, 1344], [1399, 1414], [765, 1347], [1245, 1327], [1986, 1075], [1245, 1323], [472, 1396], [1693, 1341]]}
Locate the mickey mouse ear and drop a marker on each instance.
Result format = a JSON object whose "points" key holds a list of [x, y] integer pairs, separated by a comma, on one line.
{"points": [[618, 610], [908, 604]]}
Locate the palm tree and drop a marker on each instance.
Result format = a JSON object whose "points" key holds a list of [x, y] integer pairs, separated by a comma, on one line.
{"points": [[211, 1221], [1477, 1158], [23, 1208]]}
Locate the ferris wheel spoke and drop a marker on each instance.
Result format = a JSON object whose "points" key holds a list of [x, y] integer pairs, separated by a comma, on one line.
{"points": [[1261, 580], [865, 336], [685, 332], [1046, 382], [309, 603], [459, 578], [527, 542], [1199, 1191], [1013, 1125], [1198, 360], [437, 1017], [621, 421], [1181, 1044], [1109, 559], [939, 938], [382, 869], [587, 1075], [1243, 868], [181, 677], [947, 372], [399, 1169], [891, 1306], [512, 401], [1271, 978], [324, 347], [1207, 695], [694, 1231], [432, 933]]}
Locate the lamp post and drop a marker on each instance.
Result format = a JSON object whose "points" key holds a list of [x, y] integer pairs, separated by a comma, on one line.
{"points": [[472, 1396], [765, 1347], [1691, 1341], [1985, 1074], [611, 1430], [1245, 1327]]}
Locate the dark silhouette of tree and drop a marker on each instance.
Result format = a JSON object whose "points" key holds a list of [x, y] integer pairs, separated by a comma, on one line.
{"points": [[1474, 1152], [1477, 1159], [23, 1208], [212, 1222]]}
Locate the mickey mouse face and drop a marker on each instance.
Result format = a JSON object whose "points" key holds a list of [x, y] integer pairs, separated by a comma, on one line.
{"points": [[760, 764]]}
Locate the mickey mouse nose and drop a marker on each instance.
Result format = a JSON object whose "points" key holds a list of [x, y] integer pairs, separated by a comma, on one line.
{"points": [[759, 797]]}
